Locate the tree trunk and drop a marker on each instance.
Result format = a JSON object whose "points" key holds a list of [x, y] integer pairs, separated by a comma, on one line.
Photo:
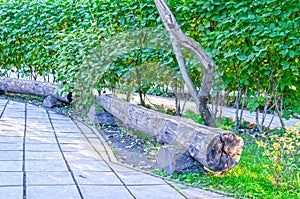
{"points": [[243, 103], [178, 37], [36, 88], [215, 149]]}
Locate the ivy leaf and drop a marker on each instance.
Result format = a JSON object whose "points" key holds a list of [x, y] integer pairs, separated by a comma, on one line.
{"points": [[285, 65], [242, 57], [291, 53]]}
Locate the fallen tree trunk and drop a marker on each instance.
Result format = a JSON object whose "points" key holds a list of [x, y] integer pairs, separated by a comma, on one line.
{"points": [[215, 149], [37, 88]]}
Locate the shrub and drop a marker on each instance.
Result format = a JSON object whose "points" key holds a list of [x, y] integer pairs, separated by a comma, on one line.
{"points": [[283, 153]]}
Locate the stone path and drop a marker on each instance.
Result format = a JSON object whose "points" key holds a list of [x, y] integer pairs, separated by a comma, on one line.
{"points": [[44, 155]]}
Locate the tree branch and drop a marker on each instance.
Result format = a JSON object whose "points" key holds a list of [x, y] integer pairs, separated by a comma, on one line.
{"points": [[175, 30], [178, 37]]}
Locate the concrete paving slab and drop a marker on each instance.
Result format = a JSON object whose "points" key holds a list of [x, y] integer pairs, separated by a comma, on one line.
{"points": [[12, 130], [63, 121], [15, 108], [15, 104], [11, 139], [57, 116], [39, 128], [49, 192], [75, 147], [33, 107], [87, 165], [11, 121], [82, 155], [105, 192], [11, 146], [96, 143], [155, 191], [40, 140], [38, 120], [11, 179], [12, 192], [96, 178], [40, 134], [69, 134], [118, 167], [49, 178], [14, 114], [139, 178], [5, 118], [41, 155], [44, 165], [85, 129], [11, 165], [11, 155], [41, 147], [71, 140], [65, 129], [37, 114], [3, 102]]}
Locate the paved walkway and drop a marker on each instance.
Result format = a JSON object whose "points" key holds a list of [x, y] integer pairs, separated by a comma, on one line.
{"points": [[44, 155], [228, 112]]}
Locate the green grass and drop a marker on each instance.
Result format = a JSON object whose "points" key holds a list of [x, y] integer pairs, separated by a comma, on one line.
{"points": [[24, 97], [248, 179]]}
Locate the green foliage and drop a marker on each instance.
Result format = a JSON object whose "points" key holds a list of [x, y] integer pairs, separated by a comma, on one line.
{"points": [[257, 40], [160, 172], [225, 123], [196, 117], [248, 40]]}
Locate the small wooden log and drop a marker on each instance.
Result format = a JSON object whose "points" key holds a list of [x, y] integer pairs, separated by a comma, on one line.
{"points": [[37, 88], [215, 149]]}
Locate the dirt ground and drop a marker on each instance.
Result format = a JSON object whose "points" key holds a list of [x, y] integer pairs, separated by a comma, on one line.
{"points": [[131, 149]]}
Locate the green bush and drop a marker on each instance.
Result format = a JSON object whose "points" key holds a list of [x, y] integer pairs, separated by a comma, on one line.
{"points": [[283, 153], [248, 40]]}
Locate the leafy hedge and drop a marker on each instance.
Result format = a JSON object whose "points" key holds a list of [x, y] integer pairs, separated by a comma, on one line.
{"points": [[249, 41]]}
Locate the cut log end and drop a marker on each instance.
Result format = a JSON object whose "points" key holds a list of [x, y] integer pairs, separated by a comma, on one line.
{"points": [[224, 152]]}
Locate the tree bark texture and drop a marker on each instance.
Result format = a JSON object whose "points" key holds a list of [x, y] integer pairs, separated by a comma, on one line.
{"points": [[178, 37], [37, 88], [215, 149]]}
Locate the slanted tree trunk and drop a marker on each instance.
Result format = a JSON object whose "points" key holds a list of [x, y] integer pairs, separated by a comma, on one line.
{"points": [[36, 88], [178, 37], [215, 149]]}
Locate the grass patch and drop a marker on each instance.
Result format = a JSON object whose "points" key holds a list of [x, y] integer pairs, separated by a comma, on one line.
{"points": [[23, 98], [248, 179], [255, 175]]}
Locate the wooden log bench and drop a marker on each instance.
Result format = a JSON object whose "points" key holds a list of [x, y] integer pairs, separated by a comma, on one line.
{"points": [[37, 88], [216, 149]]}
